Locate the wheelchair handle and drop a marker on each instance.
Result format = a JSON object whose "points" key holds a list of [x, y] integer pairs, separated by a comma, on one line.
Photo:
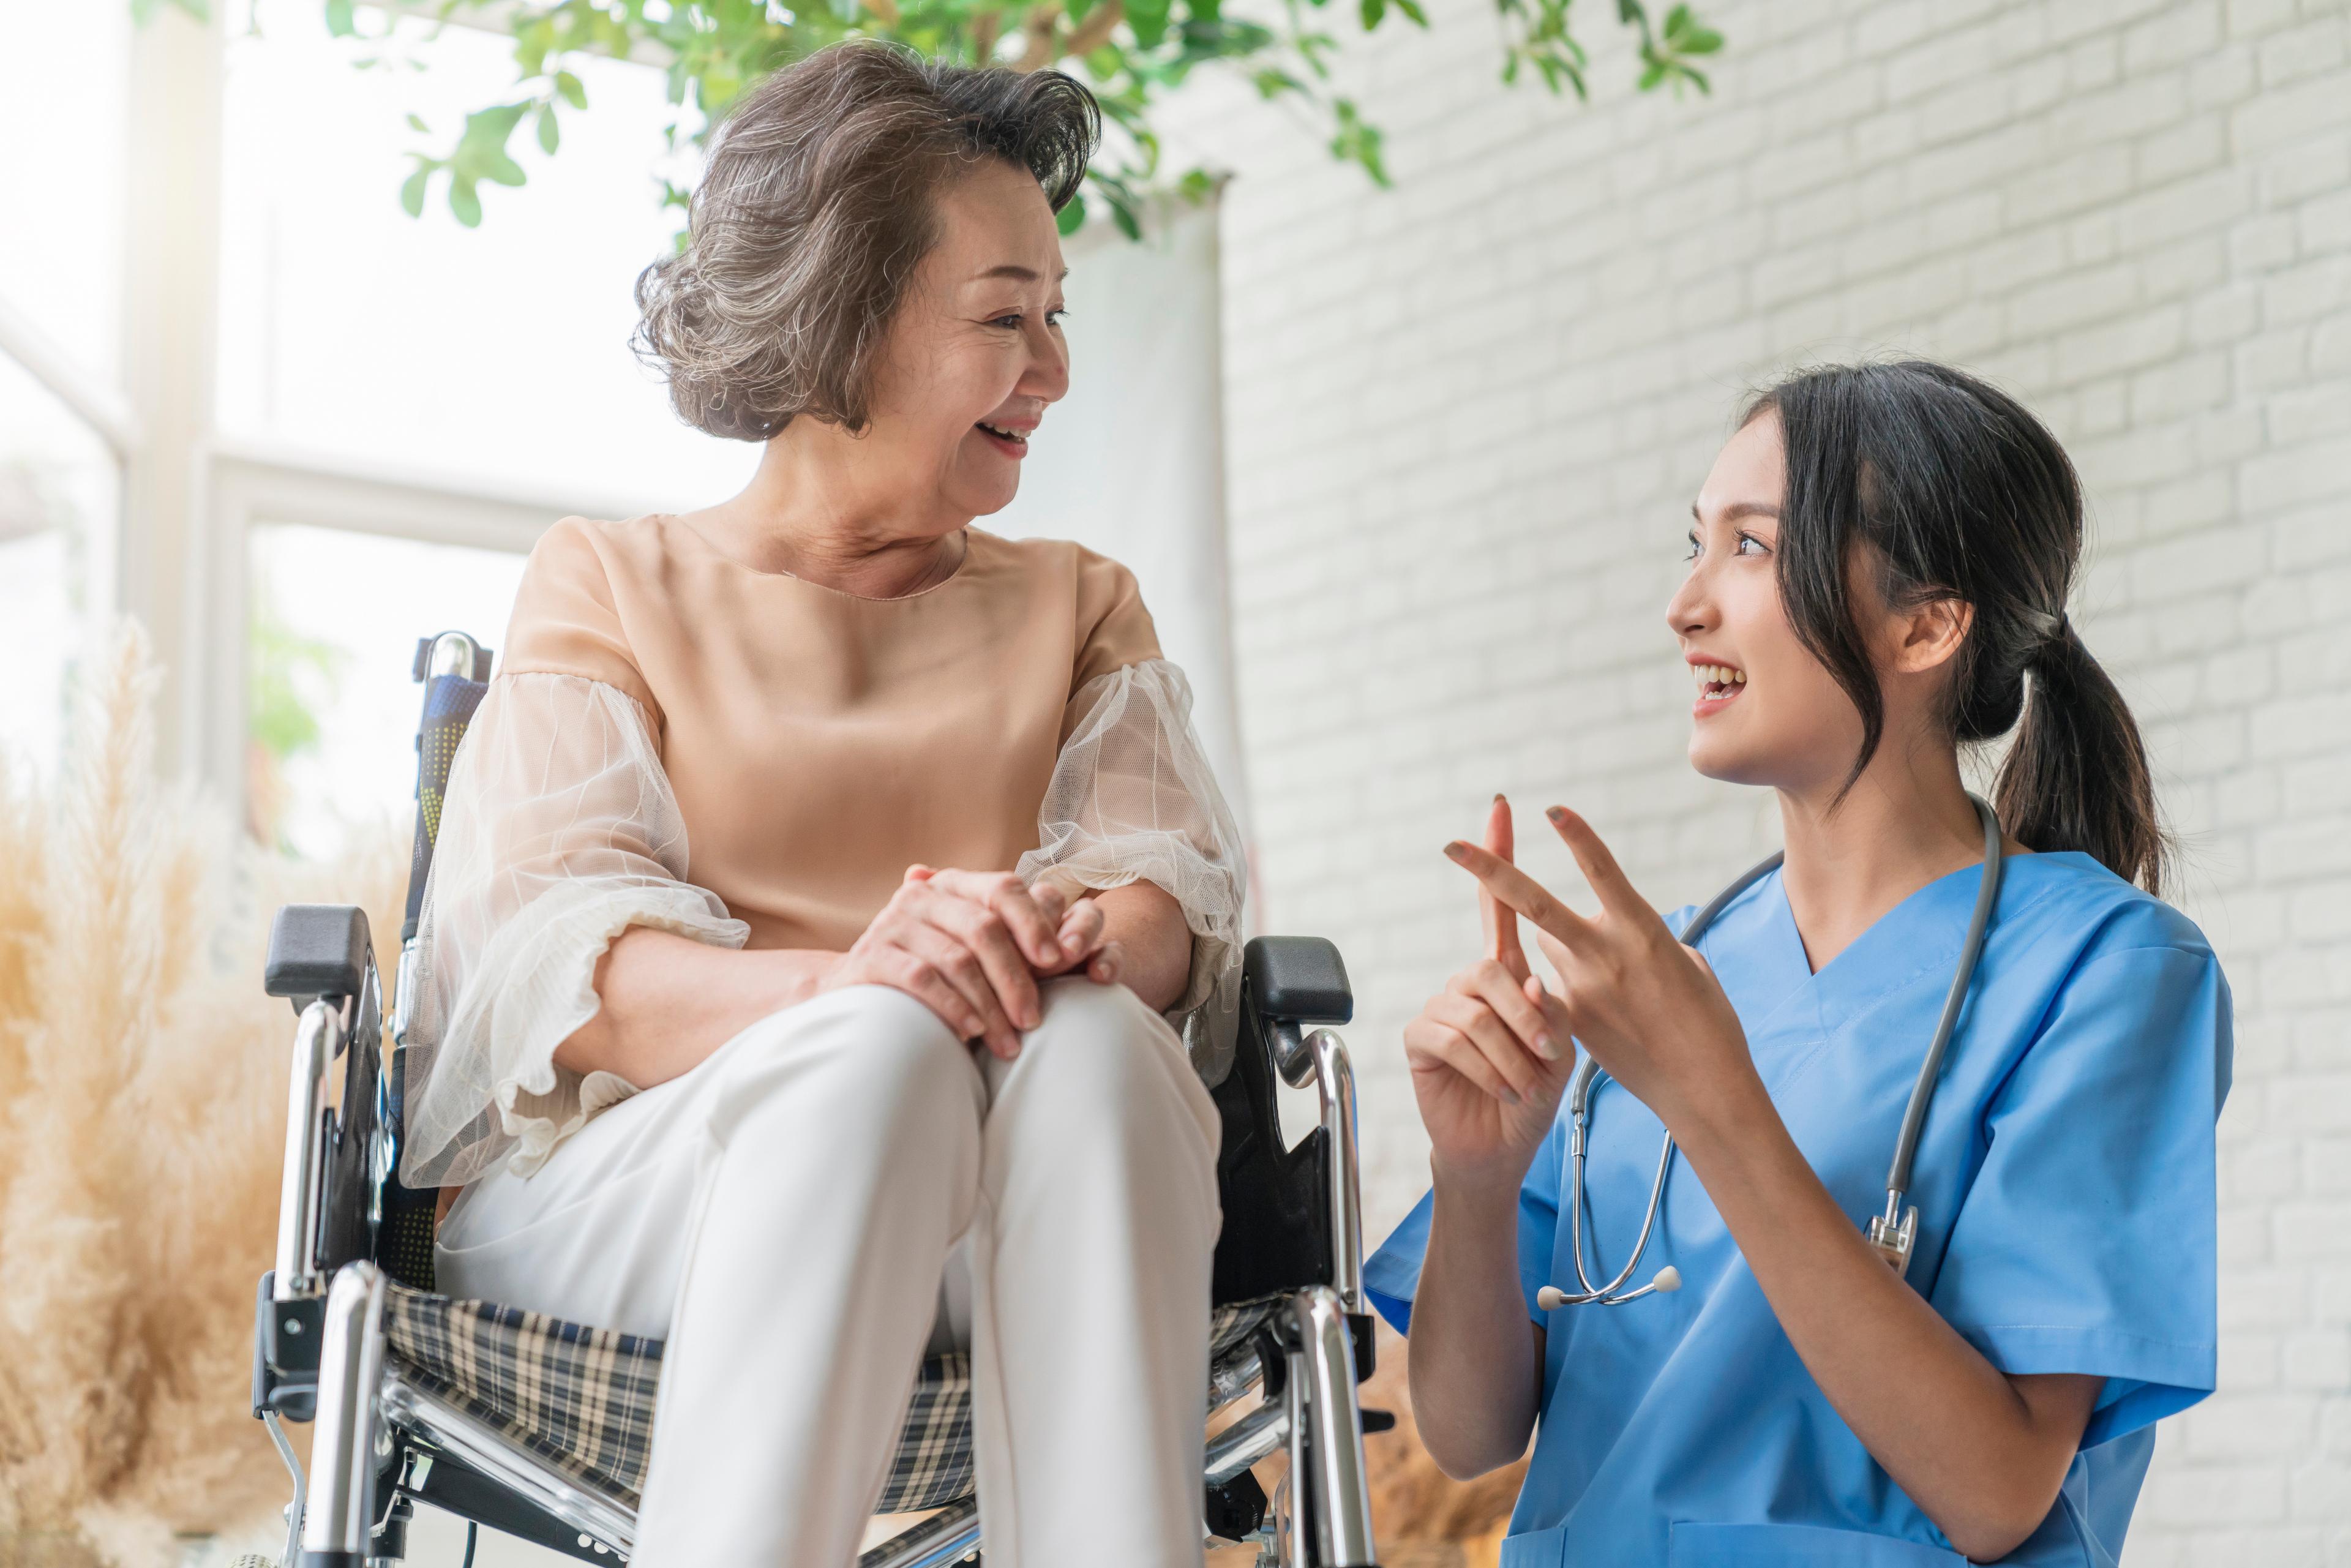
{"points": [[1320, 1058], [318, 1041]]}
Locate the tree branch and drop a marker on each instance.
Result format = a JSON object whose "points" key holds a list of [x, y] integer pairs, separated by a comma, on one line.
{"points": [[1042, 49], [1094, 32]]}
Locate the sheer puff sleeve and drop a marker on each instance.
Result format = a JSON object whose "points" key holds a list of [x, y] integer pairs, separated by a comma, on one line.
{"points": [[559, 831], [1132, 800]]}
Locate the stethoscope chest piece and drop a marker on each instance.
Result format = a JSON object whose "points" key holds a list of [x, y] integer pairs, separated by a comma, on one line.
{"points": [[1892, 1234], [1894, 1239]]}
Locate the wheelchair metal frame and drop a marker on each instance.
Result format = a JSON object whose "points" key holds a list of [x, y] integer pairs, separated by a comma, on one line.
{"points": [[382, 1442]]}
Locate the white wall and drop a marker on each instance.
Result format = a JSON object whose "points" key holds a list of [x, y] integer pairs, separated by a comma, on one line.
{"points": [[1465, 420]]}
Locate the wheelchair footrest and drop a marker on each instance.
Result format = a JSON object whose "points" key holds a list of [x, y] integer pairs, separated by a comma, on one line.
{"points": [[1236, 1510]]}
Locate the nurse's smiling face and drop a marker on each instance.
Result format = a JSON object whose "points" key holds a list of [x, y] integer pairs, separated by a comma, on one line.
{"points": [[1765, 710]]}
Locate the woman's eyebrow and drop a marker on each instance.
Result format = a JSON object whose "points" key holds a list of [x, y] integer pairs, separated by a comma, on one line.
{"points": [[1738, 509], [1022, 274]]}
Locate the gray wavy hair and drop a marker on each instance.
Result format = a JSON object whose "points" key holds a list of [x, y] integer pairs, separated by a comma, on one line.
{"points": [[814, 210]]}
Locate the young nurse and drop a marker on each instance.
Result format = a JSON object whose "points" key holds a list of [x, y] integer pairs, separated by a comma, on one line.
{"points": [[1878, 574]]}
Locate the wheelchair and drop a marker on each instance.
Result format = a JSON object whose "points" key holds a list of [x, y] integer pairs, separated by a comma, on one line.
{"points": [[540, 1429]]}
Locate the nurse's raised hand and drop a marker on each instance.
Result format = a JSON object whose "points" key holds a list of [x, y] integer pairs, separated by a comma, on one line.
{"points": [[1490, 1055], [1648, 1009]]}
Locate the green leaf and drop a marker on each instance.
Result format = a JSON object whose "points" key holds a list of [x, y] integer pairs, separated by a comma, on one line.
{"points": [[548, 137], [465, 201], [482, 152], [1072, 218], [1654, 74], [411, 190], [1357, 140], [574, 90], [1412, 8], [1373, 13], [1076, 10], [1149, 20], [416, 123], [339, 21]]}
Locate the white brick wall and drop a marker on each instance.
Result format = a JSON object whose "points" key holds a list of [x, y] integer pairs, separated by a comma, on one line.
{"points": [[1464, 418]]}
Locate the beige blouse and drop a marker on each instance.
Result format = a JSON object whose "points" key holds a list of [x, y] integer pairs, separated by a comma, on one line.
{"points": [[809, 744]]}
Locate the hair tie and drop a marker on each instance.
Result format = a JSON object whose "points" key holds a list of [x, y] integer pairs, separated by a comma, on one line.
{"points": [[2053, 632]]}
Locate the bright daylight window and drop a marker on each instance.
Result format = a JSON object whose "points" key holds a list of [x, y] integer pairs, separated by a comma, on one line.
{"points": [[61, 276], [332, 712], [417, 351], [57, 500]]}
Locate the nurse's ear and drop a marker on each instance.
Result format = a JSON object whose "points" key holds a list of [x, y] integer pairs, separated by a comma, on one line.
{"points": [[1925, 637]]}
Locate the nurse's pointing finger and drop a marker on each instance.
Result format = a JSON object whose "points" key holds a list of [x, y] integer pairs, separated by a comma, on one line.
{"points": [[1609, 883], [1522, 893], [1502, 943]]}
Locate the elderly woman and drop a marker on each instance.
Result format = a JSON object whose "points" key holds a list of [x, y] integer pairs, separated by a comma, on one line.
{"points": [[797, 1102]]}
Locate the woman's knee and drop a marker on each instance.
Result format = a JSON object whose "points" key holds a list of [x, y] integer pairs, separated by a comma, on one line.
{"points": [[875, 1055], [1103, 1058]]}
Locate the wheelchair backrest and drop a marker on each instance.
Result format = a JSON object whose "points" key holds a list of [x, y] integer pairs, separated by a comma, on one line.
{"points": [[455, 671]]}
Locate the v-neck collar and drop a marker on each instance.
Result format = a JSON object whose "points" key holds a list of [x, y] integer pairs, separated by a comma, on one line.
{"points": [[1920, 934]]}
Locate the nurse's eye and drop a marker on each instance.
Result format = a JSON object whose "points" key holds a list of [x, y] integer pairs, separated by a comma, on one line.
{"points": [[1692, 552], [1750, 545]]}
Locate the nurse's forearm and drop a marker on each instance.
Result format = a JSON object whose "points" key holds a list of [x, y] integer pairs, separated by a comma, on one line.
{"points": [[1477, 1361], [1981, 1453], [669, 1001]]}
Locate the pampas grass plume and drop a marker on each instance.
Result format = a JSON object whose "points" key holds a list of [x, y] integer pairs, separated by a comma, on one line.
{"points": [[143, 1083]]}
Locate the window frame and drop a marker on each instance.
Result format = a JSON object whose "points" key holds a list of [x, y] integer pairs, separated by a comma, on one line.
{"points": [[175, 554]]}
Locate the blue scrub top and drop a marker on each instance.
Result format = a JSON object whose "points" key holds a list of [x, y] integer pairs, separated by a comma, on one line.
{"points": [[2065, 1193]]}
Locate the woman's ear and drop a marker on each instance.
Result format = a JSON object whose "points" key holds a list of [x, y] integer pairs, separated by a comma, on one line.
{"points": [[1926, 636]]}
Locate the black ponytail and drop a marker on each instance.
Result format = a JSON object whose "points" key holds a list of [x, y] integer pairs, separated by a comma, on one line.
{"points": [[1944, 486]]}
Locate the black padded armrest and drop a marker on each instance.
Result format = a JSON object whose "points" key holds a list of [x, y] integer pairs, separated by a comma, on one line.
{"points": [[317, 950], [1300, 979]]}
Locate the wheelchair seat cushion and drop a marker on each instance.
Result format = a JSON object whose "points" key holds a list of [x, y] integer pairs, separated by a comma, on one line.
{"points": [[582, 1398]]}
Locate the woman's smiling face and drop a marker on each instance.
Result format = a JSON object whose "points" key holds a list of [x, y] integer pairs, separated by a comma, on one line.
{"points": [[1767, 712], [975, 352]]}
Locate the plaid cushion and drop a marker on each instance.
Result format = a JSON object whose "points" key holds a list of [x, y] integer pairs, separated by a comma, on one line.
{"points": [[582, 1398]]}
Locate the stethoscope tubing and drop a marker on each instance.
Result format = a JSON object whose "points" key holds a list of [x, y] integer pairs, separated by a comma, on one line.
{"points": [[1589, 1073]]}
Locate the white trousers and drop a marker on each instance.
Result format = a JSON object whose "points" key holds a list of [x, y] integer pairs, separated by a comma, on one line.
{"points": [[845, 1183]]}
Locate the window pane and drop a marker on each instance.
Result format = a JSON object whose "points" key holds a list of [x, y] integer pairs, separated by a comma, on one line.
{"points": [[58, 489], [334, 624], [64, 77], [501, 352]]}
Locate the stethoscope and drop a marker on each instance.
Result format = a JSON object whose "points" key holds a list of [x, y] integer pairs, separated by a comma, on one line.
{"points": [[1894, 1232]]}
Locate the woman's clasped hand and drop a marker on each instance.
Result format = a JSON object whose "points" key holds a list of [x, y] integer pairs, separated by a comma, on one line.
{"points": [[972, 947], [1492, 1053]]}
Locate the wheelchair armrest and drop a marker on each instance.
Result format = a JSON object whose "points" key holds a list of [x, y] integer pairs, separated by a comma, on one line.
{"points": [[1298, 979], [317, 950]]}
